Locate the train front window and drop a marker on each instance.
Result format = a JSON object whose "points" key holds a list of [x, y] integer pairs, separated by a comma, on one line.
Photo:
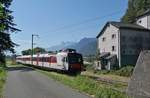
{"points": [[75, 58]]}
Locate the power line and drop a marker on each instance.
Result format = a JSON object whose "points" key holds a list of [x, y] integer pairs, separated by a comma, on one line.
{"points": [[86, 21]]}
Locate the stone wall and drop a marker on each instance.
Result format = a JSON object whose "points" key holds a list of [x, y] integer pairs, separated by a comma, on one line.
{"points": [[139, 85]]}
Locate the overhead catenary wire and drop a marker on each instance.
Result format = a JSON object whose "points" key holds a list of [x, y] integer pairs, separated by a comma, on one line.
{"points": [[86, 21], [66, 27]]}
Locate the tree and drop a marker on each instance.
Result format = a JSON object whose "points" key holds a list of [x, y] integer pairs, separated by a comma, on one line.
{"points": [[35, 51], [26, 52], [6, 28], [38, 50], [130, 14], [135, 8]]}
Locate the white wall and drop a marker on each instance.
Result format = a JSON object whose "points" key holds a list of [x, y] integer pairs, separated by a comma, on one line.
{"points": [[106, 46], [144, 21], [148, 21]]}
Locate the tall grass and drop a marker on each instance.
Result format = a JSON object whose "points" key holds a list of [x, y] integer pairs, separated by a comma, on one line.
{"points": [[87, 85], [125, 71], [2, 79]]}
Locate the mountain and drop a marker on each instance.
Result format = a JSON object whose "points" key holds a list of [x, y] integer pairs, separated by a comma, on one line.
{"points": [[86, 46], [60, 46]]}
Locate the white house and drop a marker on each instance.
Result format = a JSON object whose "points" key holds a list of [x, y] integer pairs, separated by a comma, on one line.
{"points": [[144, 19], [119, 44]]}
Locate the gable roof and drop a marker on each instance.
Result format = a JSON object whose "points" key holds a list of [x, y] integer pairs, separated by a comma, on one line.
{"points": [[121, 25], [127, 25]]}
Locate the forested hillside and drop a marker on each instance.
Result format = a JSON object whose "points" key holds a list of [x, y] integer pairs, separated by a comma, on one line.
{"points": [[135, 8]]}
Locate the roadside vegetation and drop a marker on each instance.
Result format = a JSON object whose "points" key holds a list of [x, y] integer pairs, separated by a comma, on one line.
{"points": [[85, 84], [7, 26], [124, 71], [2, 79], [3, 73]]}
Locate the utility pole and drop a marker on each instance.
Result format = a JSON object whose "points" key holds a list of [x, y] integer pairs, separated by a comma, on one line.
{"points": [[32, 47]]}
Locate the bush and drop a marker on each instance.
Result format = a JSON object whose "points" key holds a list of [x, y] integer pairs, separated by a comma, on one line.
{"points": [[125, 71], [88, 66], [2, 59]]}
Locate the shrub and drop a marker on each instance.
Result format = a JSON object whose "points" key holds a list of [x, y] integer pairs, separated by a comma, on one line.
{"points": [[125, 71], [89, 66]]}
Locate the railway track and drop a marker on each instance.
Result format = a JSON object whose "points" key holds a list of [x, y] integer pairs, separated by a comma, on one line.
{"points": [[123, 84], [110, 81]]}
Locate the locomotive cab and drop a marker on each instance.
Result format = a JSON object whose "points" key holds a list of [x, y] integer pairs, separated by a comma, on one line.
{"points": [[70, 60], [75, 62]]}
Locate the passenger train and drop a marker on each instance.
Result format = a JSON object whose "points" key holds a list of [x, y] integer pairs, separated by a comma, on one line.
{"points": [[67, 60]]}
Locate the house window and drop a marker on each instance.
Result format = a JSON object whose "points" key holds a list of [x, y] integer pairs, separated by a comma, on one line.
{"points": [[113, 48], [113, 36], [103, 39], [140, 21]]}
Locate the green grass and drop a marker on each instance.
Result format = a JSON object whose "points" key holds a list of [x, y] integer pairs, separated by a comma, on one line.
{"points": [[125, 71], [89, 67], [87, 85], [11, 63], [2, 79]]}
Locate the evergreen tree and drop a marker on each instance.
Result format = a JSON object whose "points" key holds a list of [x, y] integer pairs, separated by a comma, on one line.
{"points": [[6, 28], [135, 8], [35, 51], [130, 13]]}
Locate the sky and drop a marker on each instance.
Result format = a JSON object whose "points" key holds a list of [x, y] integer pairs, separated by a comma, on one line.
{"points": [[57, 21]]}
